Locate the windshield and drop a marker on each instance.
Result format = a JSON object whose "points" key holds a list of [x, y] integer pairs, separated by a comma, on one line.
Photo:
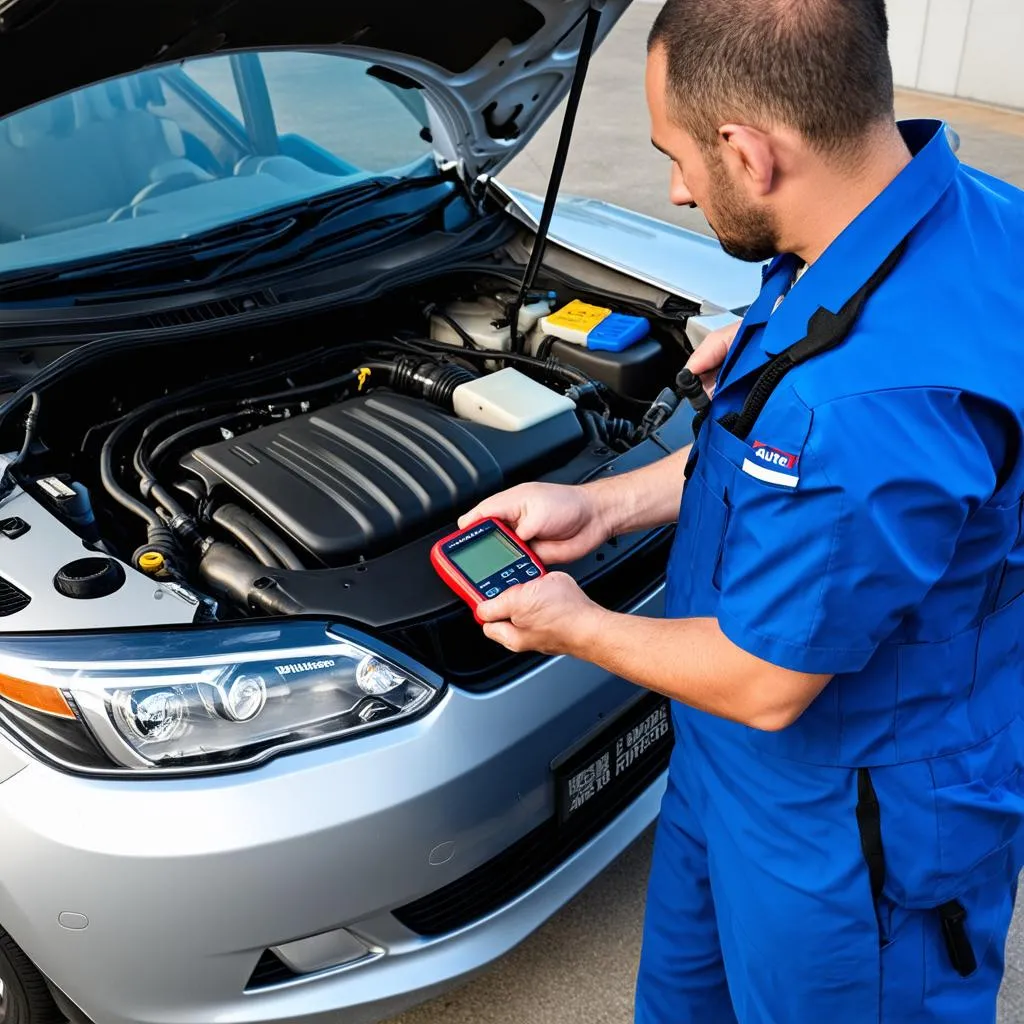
{"points": [[180, 150]]}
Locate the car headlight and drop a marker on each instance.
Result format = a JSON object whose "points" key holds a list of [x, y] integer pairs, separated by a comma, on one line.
{"points": [[200, 699]]}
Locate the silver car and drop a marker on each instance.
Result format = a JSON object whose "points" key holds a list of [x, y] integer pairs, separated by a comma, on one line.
{"points": [[268, 326]]}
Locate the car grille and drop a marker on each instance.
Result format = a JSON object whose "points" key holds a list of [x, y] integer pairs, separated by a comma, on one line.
{"points": [[520, 866]]}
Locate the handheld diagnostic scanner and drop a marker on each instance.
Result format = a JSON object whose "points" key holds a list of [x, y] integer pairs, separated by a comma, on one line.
{"points": [[483, 560]]}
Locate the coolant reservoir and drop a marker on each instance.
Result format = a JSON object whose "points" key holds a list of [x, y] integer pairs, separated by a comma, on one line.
{"points": [[478, 318]]}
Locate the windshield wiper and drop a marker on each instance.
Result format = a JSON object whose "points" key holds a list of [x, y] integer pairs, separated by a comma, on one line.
{"points": [[214, 254], [327, 238]]}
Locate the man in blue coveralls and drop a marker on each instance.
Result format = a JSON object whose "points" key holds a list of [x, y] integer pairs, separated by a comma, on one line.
{"points": [[842, 831]]}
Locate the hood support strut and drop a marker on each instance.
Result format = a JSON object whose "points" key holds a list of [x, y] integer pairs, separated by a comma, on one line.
{"points": [[557, 168]]}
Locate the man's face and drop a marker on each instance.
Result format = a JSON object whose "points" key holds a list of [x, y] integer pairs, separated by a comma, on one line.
{"points": [[699, 177]]}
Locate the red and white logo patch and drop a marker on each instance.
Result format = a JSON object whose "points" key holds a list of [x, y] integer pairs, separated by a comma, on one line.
{"points": [[773, 465]]}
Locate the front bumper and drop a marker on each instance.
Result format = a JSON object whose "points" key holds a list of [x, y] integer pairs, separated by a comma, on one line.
{"points": [[185, 883]]}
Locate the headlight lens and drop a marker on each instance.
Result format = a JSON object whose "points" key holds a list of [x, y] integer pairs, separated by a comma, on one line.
{"points": [[207, 711]]}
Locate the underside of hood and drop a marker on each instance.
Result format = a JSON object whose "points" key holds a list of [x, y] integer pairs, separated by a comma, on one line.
{"points": [[495, 68]]}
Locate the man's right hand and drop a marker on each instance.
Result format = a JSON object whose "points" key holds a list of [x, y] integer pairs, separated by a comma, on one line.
{"points": [[709, 355], [560, 523], [563, 523]]}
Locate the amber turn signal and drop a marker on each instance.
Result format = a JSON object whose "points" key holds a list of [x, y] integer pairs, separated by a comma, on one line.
{"points": [[36, 696]]}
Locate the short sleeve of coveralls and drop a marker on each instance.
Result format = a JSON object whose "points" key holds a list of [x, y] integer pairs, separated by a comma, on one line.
{"points": [[814, 577]]}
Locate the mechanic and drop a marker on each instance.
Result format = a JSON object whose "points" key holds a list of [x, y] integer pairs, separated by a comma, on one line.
{"points": [[842, 831]]}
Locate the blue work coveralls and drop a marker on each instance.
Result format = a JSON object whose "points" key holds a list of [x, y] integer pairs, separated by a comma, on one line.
{"points": [[861, 864]]}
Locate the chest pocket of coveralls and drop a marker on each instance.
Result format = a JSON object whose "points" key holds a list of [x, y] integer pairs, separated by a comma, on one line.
{"points": [[703, 518]]}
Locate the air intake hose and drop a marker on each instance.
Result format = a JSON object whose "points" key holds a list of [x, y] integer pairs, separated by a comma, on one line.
{"points": [[428, 379]]}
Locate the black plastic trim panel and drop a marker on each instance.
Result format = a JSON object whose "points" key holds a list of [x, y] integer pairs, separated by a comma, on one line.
{"points": [[11, 598]]}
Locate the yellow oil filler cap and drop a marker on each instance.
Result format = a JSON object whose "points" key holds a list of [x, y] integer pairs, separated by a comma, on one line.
{"points": [[151, 561]]}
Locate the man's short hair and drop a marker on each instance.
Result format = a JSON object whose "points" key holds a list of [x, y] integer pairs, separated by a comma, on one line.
{"points": [[819, 66]]}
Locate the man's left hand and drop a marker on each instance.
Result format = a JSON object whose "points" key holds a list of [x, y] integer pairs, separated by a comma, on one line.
{"points": [[689, 660], [550, 615]]}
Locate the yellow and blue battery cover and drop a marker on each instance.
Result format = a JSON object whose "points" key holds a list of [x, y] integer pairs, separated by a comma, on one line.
{"points": [[595, 327], [616, 332], [574, 322]]}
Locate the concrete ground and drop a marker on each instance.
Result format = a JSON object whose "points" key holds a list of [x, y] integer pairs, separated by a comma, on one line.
{"points": [[579, 968]]}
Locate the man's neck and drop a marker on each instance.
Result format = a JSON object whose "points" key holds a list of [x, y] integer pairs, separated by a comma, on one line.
{"points": [[833, 197]]}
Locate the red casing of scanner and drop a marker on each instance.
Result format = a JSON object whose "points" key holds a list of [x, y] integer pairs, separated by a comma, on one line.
{"points": [[447, 571]]}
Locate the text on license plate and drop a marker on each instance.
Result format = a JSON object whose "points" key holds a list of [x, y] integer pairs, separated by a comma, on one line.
{"points": [[626, 747]]}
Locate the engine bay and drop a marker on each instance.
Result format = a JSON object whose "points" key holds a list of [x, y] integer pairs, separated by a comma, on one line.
{"points": [[305, 469], [356, 477]]}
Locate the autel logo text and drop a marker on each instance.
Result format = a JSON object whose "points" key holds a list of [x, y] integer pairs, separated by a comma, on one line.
{"points": [[775, 456]]}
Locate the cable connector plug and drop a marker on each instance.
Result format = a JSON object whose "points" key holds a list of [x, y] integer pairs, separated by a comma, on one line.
{"points": [[660, 410], [689, 386]]}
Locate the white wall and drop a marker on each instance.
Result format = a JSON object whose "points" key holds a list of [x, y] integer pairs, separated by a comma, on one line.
{"points": [[973, 49]]}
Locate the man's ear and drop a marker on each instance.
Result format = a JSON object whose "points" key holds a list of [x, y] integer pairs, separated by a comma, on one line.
{"points": [[749, 156]]}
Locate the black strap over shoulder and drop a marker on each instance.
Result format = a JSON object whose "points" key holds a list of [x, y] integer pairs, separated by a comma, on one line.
{"points": [[825, 331]]}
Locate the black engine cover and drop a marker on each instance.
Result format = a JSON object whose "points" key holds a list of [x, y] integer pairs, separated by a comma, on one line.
{"points": [[364, 475]]}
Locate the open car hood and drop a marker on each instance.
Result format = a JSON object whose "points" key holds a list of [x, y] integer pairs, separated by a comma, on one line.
{"points": [[494, 69]]}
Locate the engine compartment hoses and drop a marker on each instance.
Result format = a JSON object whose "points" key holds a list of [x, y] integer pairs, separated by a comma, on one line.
{"points": [[248, 539], [107, 475], [236, 576], [7, 480], [147, 462], [31, 426], [159, 540], [568, 374], [232, 382], [619, 429], [237, 380], [144, 462], [306, 389], [429, 379], [467, 338], [228, 383], [139, 459], [228, 516], [110, 484], [612, 431], [167, 501]]}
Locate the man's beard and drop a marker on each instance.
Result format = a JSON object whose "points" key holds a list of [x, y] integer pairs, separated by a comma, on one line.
{"points": [[745, 232]]}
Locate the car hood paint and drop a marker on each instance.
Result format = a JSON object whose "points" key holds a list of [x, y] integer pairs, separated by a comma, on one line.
{"points": [[495, 69]]}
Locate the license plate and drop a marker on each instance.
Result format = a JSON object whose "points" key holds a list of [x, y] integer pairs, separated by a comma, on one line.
{"points": [[609, 763]]}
